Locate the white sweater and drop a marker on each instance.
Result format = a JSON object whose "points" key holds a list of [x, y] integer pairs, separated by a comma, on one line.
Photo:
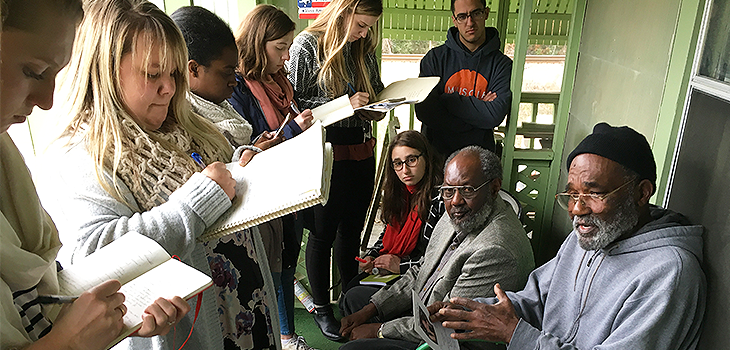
{"points": [[89, 218]]}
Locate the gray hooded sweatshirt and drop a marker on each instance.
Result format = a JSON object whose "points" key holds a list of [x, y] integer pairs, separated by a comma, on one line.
{"points": [[643, 292]]}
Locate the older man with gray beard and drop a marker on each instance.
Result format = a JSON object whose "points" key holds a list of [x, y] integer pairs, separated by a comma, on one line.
{"points": [[628, 278], [478, 243]]}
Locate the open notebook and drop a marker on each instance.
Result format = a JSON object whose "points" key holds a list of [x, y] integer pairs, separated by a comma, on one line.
{"points": [[291, 176], [333, 111], [145, 270], [407, 91]]}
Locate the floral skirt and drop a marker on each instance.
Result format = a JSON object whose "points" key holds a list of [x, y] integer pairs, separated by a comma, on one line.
{"points": [[244, 291]]}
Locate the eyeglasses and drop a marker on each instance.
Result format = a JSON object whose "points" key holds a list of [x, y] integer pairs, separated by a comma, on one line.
{"points": [[595, 201], [410, 161], [475, 15], [468, 192]]}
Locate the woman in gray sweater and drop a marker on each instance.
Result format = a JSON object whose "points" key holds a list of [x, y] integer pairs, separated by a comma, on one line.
{"points": [[125, 166]]}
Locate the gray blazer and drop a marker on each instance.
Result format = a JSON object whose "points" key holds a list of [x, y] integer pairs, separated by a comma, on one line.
{"points": [[501, 252]]}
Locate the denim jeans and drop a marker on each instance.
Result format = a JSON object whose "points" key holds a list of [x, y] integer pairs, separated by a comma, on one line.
{"points": [[284, 285]]}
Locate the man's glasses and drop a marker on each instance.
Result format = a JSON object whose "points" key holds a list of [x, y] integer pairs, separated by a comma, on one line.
{"points": [[595, 201], [467, 191], [475, 15], [410, 161]]}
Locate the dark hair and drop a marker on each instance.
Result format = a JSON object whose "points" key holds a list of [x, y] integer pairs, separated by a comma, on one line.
{"points": [[264, 23], [484, 3], [206, 34], [395, 207], [23, 14]]}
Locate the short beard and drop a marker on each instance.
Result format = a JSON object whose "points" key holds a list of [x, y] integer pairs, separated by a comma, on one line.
{"points": [[624, 219], [475, 221]]}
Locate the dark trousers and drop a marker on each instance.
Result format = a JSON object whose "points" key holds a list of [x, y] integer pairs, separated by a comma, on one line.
{"points": [[357, 298], [378, 344], [339, 222]]}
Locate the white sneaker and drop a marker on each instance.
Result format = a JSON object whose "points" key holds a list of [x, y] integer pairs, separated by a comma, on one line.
{"points": [[296, 343]]}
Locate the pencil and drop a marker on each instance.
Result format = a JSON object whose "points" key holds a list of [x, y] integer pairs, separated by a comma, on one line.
{"points": [[281, 127], [56, 299], [294, 108]]}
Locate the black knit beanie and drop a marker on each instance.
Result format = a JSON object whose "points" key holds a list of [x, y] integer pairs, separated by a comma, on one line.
{"points": [[622, 145]]}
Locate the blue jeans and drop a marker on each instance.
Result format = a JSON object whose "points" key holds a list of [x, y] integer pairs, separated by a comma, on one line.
{"points": [[284, 280], [284, 285]]}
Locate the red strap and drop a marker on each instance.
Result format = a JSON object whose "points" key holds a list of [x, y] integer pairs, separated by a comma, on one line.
{"points": [[197, 310]]}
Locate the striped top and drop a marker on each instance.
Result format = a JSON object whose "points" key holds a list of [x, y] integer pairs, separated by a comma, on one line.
{"points": [[35, 324], [303, 67]]}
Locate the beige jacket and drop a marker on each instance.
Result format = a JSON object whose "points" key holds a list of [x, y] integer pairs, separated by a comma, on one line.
{"points": [[501, 252]]}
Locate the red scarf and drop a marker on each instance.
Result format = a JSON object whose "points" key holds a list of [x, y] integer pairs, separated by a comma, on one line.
{"points": [[274, 98], [400, 239]]}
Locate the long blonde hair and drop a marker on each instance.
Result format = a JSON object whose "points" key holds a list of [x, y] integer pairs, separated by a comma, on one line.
{"points": [[263, 24], [333, 27], [110, 30]]}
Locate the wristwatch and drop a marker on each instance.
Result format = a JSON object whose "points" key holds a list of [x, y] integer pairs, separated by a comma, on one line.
{"points": [[380, 331]]}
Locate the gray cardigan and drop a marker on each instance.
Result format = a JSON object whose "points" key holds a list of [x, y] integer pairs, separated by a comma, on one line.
{"points": [[501, 252], [89, 218]]}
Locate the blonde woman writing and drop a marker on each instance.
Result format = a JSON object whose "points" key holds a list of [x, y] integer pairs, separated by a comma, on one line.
{"points": [[126, 166], [37, 36]]}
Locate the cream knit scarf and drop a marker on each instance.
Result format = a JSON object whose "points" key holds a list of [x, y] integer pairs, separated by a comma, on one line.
{"points": [[231, 124], [155, 164]]}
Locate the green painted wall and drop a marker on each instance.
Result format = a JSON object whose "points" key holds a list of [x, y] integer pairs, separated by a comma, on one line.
{"points": [[678, 76], [623, 65]]}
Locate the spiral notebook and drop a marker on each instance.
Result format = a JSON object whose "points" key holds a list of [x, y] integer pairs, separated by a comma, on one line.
{"points": [[288, 177]]}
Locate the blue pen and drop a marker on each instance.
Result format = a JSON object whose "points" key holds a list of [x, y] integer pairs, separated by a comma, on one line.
{"points": [[198, 159], [351, 88]]}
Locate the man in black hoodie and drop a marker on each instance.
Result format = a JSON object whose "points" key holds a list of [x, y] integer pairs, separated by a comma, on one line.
{"points": [[474, 94]]}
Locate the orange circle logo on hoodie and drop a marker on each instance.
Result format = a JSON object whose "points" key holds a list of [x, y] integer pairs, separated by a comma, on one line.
{"points": [[462, 83]]}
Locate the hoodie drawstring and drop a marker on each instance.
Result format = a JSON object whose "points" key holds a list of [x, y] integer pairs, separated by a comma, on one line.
{"points": [[577, 272], [584, 301]]}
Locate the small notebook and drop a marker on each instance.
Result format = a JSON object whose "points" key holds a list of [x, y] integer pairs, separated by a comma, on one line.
{"points": [[379, 280], [145, 270], [288, 177], [408, 91]]}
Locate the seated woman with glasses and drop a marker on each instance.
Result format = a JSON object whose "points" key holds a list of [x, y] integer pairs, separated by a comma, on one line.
{"points": [[410, 208]]}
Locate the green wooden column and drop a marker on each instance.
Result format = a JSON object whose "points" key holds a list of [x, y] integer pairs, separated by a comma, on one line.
{"points": [[675, 92], [518, 68], [501, 25], [561, 120]]}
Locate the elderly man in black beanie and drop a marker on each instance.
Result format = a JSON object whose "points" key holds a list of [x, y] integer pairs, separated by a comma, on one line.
{"points": [[627, 277]]}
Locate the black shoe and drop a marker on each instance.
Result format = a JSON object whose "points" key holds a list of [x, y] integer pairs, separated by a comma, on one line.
{"points": [[327, 323]]}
